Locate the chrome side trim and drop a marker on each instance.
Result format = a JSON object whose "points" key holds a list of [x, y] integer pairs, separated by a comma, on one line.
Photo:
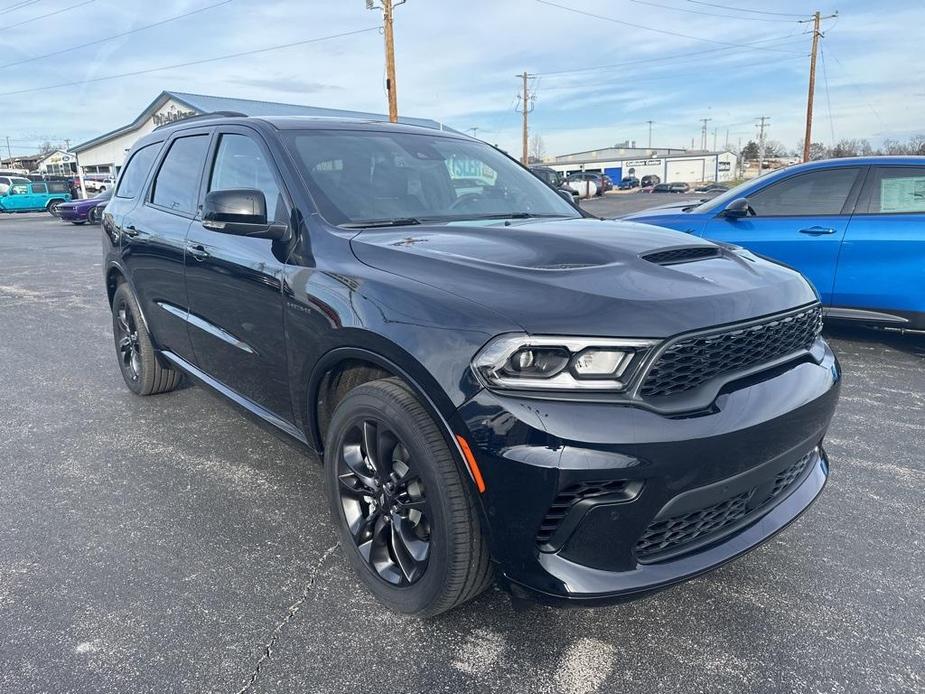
{"points": [[235, 397], [206, 326], [862, 314]]}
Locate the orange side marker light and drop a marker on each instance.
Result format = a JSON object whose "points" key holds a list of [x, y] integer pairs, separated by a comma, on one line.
{"points": [[471, 464]]}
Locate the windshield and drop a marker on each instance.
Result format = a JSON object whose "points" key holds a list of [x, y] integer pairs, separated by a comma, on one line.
{"points": [[358, 177]]}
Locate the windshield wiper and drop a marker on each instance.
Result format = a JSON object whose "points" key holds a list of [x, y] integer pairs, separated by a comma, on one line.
{"points": [[515, 215], [371, 223]]}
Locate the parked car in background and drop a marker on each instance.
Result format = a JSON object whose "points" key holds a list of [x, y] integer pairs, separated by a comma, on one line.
{"points": [[712, 188], [83, 211], [608, 182], [628, 183], [600, 183], [646, 189], [491, 399], [98, 185], [555, 180], [854, 227], [7, 181], [661, 188], [678, 187], [32, 197], [649, 180]]}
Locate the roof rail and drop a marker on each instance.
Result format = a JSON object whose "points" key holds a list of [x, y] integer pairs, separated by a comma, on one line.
{"points": [[203, 116]]}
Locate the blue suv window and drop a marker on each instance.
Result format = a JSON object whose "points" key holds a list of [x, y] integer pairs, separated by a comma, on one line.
{"points": [[822, 192]]}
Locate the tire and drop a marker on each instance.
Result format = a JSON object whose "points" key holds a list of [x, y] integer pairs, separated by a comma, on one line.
{"points": [[52, 207], [79, 223], [142, 369], [455, 566], [95, 215]]}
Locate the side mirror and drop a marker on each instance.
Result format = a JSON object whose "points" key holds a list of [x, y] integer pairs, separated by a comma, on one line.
{"points": [[737, 209], [242, 212]]}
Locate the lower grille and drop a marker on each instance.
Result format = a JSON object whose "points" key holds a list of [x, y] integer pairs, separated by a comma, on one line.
{"points": [[669, 535], [570, 496]]}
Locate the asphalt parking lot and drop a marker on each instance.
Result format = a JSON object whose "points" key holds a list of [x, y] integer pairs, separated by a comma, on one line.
{"points": [[161, 544]]}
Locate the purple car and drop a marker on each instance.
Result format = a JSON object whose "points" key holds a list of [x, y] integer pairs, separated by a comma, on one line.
{"points": [[82, 211]]}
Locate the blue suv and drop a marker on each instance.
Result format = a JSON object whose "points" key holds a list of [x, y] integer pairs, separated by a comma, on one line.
{"points": [[854, 227]]}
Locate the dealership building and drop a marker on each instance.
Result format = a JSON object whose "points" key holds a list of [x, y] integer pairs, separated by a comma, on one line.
{"points": [[106, 154], [670, 165]]}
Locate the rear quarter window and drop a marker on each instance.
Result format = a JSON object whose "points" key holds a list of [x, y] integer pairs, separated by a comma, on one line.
{"points": [[136, 171]]}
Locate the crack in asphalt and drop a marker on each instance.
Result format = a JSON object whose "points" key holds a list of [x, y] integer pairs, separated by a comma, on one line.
{"points": [[293, 609]]}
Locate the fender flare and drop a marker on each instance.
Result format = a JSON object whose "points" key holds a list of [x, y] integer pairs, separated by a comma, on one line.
{"points": [[339, 354]]}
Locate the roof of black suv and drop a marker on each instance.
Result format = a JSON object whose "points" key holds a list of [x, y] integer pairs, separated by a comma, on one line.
{"points": [[305, 123]]}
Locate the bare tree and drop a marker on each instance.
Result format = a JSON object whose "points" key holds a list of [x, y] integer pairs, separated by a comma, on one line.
{"points": [[537, 148]]}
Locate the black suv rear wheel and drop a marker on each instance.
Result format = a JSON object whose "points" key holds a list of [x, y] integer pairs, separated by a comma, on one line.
{"points": [[405, 515], [142, 369]]}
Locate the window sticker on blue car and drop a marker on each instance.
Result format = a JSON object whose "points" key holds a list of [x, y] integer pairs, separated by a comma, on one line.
{"points": [[902, 194]]}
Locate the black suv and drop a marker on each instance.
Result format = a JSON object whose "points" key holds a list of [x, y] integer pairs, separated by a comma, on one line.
{"points": [[499, 385]]}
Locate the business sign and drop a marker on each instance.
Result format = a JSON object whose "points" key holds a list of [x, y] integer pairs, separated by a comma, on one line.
{"points": [[725, 166], [643, 162], [170, 115]]}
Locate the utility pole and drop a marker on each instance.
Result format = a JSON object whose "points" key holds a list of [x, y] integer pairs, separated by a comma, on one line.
{"points": [[703, 133], [526, 105], [9, 152], [714, 139], [650, 132], [474, 131], [391, 86], [808, 136], [762, 122]]}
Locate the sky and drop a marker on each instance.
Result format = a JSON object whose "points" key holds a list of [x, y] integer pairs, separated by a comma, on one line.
{"points": [[598, 79]]}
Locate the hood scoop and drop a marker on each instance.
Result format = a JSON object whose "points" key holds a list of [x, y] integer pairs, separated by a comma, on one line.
{"points": [[674, 256]]}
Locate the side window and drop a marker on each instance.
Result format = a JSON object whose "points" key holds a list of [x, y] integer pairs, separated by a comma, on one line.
{"points": [[240, 163], [137, 171], [176, 186], [898, 190], [816, 193], [39, 188]]}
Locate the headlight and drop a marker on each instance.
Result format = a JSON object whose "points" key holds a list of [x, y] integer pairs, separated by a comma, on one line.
{"points": [[525, 362]]}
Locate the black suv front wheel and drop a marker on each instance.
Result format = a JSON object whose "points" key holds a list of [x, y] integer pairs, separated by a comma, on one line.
{"points": [[405, 515]]}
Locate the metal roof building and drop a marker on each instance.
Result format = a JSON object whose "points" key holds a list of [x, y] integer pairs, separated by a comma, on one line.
{"points": [[106, 153]]}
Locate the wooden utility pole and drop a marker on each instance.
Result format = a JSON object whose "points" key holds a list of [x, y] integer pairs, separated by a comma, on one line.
{"points": [[762, 124], [650, 132], [391, 87], [703, 133], [525, 108], [808, 136]]}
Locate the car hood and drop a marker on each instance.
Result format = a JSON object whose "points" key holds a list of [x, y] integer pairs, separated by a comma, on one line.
{"points": [[584, 276]]}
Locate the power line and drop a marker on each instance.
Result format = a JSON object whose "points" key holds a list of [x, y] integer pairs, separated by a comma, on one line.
{"points": [[658, 31], [828, 100], [18, 5], [116, 36], [192, 62], [710, 14], [598, 68], [50, 14], [743, 9]]}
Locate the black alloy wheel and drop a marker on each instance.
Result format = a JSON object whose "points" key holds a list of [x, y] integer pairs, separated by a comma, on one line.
{"points": [[405, 512], [384, 502], [127, 341], [52, 207]]}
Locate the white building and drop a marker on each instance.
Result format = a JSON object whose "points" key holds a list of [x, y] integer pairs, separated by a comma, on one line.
{"points": [[670, 165], [58, 163], [106, 154]]}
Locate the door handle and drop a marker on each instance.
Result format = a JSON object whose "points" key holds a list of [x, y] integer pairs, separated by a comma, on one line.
{"points": [[817, 231], [130, 231], [198, 251]]}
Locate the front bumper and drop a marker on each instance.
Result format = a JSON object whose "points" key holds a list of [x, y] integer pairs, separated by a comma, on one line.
{"points": [[71, 214], [593, 502]]}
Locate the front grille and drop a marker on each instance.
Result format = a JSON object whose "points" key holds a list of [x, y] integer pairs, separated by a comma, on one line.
{"points": [[674, 533], [570, 496], [673, 256], [694, 360]]}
